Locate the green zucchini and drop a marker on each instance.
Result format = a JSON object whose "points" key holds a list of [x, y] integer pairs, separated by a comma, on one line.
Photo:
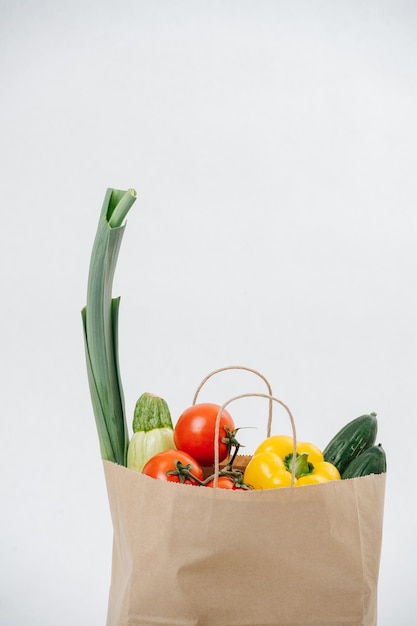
{"points": [[355, 437], [372, 461]]}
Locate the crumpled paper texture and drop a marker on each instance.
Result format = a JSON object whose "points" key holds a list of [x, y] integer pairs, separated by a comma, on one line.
{"points": [[191, 556]]}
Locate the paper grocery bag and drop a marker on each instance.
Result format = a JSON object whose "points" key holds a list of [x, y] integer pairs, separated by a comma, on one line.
{"points": [[187, 556]]}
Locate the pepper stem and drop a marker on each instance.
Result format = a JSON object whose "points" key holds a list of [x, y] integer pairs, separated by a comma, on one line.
{"points": [[303, 467]]}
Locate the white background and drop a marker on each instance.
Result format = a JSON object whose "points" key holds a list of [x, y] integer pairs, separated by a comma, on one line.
{"points": [[273, 149]]}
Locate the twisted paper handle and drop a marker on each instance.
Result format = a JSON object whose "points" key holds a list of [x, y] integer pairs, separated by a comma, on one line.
{"points": [[217, 431], [248, 369]]}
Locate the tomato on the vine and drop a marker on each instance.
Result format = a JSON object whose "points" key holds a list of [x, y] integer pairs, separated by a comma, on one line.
{"points": [[224, 482], [174, 466], [195, 431]]}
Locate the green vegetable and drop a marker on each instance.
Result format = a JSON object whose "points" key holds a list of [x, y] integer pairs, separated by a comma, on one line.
{"points": [[100, 322], [351, 440], [372, 461], [153, 431]]}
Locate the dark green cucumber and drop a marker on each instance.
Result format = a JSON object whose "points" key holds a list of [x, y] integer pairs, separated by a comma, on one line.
{"points": [[351, 440], [372, 461]]}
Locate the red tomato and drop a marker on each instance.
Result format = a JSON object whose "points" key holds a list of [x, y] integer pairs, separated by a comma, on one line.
{"points": [[224, 482], [195, 430], [163, 462]]}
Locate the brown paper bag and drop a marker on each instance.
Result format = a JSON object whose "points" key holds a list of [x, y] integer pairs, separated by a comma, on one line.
{"points": [[188, 556]]}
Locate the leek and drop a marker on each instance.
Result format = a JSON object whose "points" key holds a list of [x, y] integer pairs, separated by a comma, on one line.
{"points": [[100, 322]]}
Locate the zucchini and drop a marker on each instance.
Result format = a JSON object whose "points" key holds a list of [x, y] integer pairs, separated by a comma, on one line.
{"points": [[372, 461], [355, 437]]}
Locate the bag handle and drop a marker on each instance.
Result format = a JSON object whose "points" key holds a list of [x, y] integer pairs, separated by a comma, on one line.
{"points": [[217, 430], [247, 369]]}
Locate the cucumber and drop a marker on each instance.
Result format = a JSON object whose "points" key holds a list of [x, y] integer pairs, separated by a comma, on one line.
{"points": [[372, 461], [351, 440]]}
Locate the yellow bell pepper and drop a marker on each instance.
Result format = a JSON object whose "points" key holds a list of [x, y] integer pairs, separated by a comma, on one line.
{"points": [[266, 471], [271, 464]]}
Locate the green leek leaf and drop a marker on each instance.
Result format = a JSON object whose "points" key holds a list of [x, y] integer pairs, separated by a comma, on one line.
{"points": [[100, 322]]}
